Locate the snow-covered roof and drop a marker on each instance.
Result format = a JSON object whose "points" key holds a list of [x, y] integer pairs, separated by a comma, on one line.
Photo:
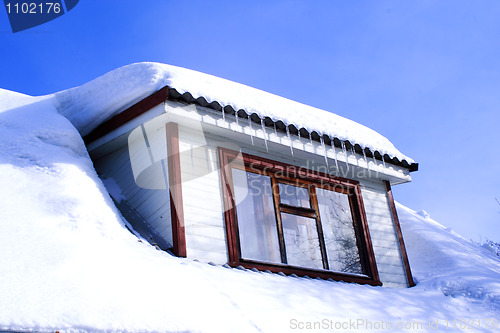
{"points": [[91, 104]]}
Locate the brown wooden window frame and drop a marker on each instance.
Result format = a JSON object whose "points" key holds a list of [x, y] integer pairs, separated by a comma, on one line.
{"points": [[297, 176]]}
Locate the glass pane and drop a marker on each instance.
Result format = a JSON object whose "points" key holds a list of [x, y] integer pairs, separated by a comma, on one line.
{"points": [[301, 241], [294, 195], [256, 219], [338, 232]]}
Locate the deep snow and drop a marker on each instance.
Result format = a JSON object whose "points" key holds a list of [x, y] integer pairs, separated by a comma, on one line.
{"points": [[68, 263]]}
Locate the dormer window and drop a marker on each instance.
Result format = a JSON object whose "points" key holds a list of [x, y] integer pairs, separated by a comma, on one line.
{"points": [[287, 219]]}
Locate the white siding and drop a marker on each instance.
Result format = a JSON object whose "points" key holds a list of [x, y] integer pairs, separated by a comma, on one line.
{"points": [[383, 234], [153, 205], [201, 195]]}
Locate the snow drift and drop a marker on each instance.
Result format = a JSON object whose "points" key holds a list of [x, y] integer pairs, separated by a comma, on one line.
{"points": [[69, 264]]}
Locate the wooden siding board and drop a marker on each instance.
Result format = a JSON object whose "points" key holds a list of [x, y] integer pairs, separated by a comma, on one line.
{"points": [[123, 176], [207, 231], [397, 281], [203, 216], [206, 205], [378, 203], [198, 197], [384, 240], [201, 180], [380, 209], [151, 178], [397, 273], [200, 241], [157, 223], [202, 198], [121, 162], [214, 244], [149, 206], [384, 244], [388, 252], [392, 285], [383, 234], [381, 228], [144, 201], [165, 231], [140, 197], [108, 168], [207, 256], [197, 180], [153, 200], [162, 213], [389, 260]]}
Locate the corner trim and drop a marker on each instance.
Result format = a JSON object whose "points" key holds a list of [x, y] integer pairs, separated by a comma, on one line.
{"points": [[402, 247], [175, 190]]}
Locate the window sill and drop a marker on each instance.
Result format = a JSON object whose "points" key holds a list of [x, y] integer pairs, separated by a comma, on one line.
{"points": [[300, 271]]}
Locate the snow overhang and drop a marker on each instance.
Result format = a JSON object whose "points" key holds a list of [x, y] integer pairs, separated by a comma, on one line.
{"points": [[107, 96], [172, 94]]}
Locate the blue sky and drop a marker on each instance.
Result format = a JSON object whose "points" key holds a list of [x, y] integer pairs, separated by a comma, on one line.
{"points": [[425, 74]]}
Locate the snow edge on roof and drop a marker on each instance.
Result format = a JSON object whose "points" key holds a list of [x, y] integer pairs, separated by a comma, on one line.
{"points": [[91, 104]]}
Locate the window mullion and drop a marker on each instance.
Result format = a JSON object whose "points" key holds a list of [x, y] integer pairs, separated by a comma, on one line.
{"points": [[306, 212], [314, 203], [276, 196]]}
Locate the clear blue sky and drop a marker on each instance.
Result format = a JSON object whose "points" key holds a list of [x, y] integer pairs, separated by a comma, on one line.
{"points": [[425, 74]]}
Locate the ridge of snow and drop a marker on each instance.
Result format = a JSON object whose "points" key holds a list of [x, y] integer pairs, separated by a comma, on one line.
{"points": [[92, 103], [11, 99], [69, 264]]}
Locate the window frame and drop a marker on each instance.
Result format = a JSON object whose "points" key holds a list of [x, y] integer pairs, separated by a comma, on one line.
{"points": [[296, 176]]}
